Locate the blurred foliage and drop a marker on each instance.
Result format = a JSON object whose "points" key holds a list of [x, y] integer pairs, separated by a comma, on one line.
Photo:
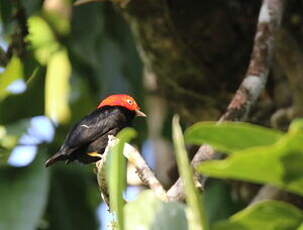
{"points": [[13, 71], [196, 210], [269, 215], [23, 195], [116, 175], [151, 214], [70, 62], [73, 57], [9, 138]]}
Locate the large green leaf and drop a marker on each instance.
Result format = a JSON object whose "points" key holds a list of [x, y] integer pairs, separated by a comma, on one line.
{"points": [[149, 213], [13, 71], [269, 215], [231, 136], [116, 175], [57, 87], [196, 215], [279, 164], [23, 195]]}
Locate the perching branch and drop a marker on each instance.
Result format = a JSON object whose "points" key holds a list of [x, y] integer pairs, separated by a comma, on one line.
{"points": [[134, 157]]}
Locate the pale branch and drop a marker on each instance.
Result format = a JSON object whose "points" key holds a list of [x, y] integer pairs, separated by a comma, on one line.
{"points": [[144, 172], [134, 157], [121, 3], [81, 2], [205, 152], [256, 76], [253, 83], [267, 192]]}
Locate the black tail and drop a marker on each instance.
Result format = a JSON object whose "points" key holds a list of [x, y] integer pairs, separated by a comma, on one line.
{"points": [[57, 157]]}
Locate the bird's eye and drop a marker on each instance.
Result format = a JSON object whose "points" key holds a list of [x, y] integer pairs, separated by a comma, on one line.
{"points": [[129, 102]]}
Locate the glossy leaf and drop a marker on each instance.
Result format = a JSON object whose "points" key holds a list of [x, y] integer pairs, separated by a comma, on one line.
{"points": [[196, 215], [269, 215], [117, 174], [279, 164], [20, 188], [149, 213], [231, 136]]}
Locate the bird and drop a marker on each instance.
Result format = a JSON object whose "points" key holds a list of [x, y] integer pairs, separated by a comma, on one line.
{"points": [[87, 139]]}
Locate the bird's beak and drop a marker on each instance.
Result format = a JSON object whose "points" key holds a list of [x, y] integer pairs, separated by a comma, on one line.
{"points": [[140, 114]]}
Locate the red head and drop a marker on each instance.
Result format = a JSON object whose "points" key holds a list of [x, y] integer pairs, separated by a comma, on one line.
{"points": [[122, 100]]}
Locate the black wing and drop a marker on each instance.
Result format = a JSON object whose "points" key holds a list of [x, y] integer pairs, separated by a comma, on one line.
{"points": [[94, 125]]}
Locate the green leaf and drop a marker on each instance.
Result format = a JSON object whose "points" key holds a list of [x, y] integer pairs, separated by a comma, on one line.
{"points": [[269, 215], [149, 213], [231, 136], [57, 87], [13, 71], [42, 39], [279, 164], [23, 195], [197, 218], [117, 174]]}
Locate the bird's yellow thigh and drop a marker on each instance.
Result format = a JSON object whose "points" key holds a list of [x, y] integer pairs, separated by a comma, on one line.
{"points": [[94, 154]]}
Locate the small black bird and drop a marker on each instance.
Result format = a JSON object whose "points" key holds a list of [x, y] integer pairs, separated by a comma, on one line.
{"points": [[88, 138]]}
